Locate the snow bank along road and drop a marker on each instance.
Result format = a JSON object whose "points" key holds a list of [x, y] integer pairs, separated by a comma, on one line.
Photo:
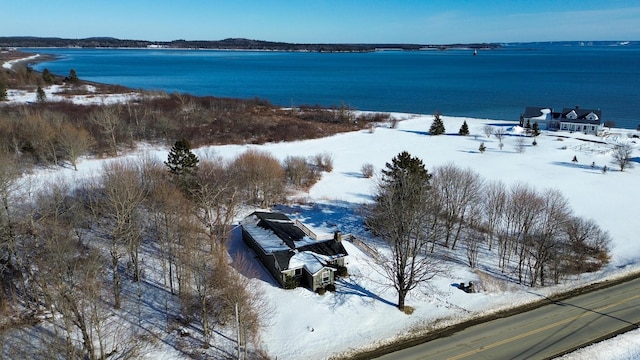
{"points": [[548, 331]]}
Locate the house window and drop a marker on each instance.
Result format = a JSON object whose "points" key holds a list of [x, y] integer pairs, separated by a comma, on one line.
{"points": [[297, 272], [325, 277]]}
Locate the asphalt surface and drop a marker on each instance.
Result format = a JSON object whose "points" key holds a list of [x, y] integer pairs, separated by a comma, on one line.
{"points": [[543, 330]]}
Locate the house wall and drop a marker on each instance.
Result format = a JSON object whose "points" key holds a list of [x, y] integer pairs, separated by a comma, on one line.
{"points": [[581, 127], [267, 260], [316, 280]]}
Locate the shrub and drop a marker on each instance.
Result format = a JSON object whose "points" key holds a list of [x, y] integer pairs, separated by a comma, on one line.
{"points": [[3, 91], [330, 287], [321, 291], [323, 161], [482, 148], [408, 310], [260, 177], [299, 173], [367, 170], [342, 271], [291, 282]]}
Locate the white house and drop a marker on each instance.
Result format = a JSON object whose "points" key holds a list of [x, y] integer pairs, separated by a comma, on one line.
{"points": [[587, 121], [581, 120]]}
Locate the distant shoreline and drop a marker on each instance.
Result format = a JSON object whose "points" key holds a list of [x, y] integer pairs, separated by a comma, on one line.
{"points": [[226, 44]]}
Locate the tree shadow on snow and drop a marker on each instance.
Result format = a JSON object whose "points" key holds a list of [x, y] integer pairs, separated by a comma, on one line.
{"points": [[576, 165], [340, 216], [347, 287]]}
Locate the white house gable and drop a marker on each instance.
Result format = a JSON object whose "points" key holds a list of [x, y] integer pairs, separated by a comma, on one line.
{"points": [[592, 117], [572, 115]]}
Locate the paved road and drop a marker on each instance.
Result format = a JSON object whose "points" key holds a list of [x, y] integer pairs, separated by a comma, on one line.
{"points": [[541, 333]]}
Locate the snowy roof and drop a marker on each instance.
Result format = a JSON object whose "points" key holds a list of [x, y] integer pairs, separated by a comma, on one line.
{"points": [[278, 235], [537, 113], [311, 261]]}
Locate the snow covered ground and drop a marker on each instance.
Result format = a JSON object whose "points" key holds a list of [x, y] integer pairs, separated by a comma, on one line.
{"points": [[362, 313]]}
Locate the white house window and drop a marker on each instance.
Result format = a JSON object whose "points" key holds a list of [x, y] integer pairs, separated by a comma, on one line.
{"points": [[325, 277]]}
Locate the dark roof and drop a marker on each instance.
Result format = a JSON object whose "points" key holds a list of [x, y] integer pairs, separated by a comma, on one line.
{"points": [[281, 225], [531, 112], [327, 247], [582, 114], [286, 230]]}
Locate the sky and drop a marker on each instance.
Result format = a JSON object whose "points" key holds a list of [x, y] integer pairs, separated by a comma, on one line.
{"points": [[327, 21]]}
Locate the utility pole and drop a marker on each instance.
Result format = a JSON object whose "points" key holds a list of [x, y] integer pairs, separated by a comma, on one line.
{"points": [[238, 330]]}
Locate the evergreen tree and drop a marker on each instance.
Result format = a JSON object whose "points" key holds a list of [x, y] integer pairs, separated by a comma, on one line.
{"points": [[535, 129], [48, 77], [464, 129], [183, 163], [404, 165], [73, 77], [3, 91], [40, 95], [437, 127]]}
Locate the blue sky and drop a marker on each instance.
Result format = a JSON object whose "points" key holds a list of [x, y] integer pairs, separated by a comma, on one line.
{"points": [[327, 21]]}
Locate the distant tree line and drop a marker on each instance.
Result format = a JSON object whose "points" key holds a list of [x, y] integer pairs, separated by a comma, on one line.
{"points": [[230, 43]]}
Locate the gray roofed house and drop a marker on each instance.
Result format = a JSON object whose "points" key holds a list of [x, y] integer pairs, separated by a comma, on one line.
{"points": [[587, 121], [291, 252]]}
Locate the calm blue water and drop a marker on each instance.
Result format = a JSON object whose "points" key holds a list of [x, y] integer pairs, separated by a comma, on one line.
{"points": [[496, 84]]}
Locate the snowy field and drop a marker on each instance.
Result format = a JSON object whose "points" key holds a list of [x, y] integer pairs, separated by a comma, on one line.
{"points": [[362, 313]]}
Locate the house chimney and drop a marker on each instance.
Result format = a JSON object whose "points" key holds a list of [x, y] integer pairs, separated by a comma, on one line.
{"points": [[577, 107]]}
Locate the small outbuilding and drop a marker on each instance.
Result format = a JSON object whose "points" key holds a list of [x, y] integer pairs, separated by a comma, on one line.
{"points": [[293, 254]]}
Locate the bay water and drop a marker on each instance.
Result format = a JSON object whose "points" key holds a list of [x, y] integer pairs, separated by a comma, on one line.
{"points": [[494, 84]]}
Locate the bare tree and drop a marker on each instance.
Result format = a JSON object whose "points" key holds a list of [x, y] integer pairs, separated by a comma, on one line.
{"points": [[401, 217], [458, 192], [472, 242], [589, 246], [107, 120], [123, 196], [520, 144], [499, 133], [494, 199], [8, 220], [73, 141], [299, 172], [217, 199], [69, 274], [260, 177], [622, 155], [546, 240], [488, 130]]}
